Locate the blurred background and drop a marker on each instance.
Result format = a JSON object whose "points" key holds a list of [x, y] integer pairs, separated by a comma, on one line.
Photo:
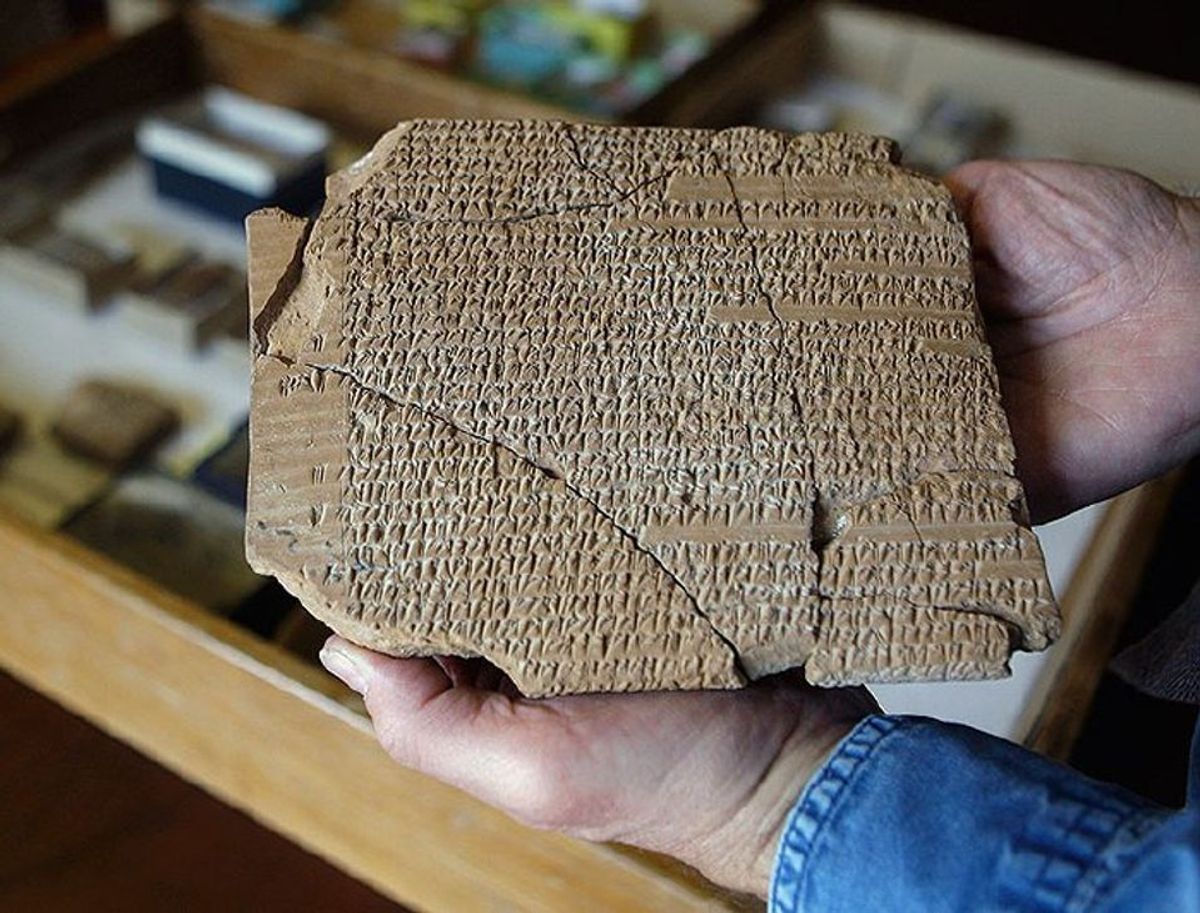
{"points": [[135, 135]]}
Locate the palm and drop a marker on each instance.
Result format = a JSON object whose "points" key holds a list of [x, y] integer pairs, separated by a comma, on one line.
{"points": [[1087, 280], [666, 771]]}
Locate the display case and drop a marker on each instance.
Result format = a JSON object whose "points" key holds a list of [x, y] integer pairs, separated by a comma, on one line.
{"points": [[267, 730]]}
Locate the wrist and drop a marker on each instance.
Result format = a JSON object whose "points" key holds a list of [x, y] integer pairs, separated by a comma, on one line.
{"points": [[760, 823], [740, 852]]}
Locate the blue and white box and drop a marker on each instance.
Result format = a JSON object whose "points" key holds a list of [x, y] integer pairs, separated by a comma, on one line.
{"points": [[229, 155]]}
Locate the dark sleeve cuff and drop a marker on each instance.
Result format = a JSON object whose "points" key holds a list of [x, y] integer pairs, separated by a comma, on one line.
{"points": [[912, 814]]}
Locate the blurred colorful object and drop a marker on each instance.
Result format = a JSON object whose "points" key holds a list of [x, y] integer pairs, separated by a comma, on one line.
{"points": [[598, 56]]}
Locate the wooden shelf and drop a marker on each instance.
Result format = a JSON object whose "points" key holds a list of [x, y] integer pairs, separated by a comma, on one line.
{"points": [[51, 64], [275, 736]]}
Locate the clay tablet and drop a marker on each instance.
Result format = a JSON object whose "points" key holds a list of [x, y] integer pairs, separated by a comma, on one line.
{"points": [[626, 409]]}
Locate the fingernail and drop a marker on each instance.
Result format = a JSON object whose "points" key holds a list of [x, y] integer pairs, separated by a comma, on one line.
{"points": [[345, 667]]}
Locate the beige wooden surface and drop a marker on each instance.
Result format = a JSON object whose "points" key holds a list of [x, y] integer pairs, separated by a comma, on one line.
{"points": [[1095, 607], [1056, 104], [267, 733]]}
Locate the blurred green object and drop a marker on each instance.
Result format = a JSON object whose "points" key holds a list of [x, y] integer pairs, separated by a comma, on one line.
{"points": [[518, 47], [595, 32], [450, 15], [438, 32]]}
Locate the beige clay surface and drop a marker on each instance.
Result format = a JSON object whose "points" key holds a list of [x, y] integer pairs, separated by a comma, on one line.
{"points": [[628, 409]]}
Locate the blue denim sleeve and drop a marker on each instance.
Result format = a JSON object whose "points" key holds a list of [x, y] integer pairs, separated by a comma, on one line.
{"points": [[909, 814]]}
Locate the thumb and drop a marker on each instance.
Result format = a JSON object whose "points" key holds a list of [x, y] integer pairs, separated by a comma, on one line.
{"points": [[412, 702], [480, 741], [414, 682]]}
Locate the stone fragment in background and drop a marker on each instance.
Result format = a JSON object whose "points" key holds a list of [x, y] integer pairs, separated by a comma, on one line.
{"points": [[113, 424]]}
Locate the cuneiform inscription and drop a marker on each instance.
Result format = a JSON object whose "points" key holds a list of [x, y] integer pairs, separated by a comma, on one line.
{"points": [[634, 408]]}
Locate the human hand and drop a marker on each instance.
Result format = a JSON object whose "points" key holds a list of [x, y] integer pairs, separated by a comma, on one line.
{"points": [[705, 776], [1089, 282]]}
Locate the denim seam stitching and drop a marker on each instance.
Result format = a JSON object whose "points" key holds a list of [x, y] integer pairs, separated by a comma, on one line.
{"points": [[1097, 883], [832, 783]]}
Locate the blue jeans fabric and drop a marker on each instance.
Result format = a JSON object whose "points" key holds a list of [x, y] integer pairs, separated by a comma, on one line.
{"points": [[913, 815]]}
